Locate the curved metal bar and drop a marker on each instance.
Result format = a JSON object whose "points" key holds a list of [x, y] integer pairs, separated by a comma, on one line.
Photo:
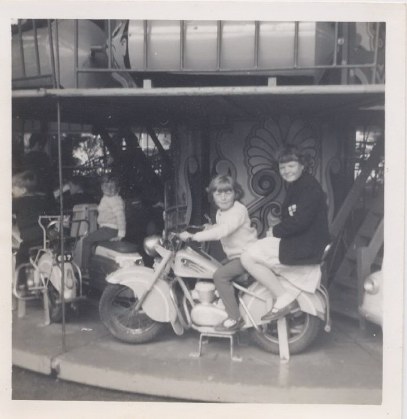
{"points": [[246, 291], [78, 270], [188, 322], [248, 313], [186, 311], [325, 295]]}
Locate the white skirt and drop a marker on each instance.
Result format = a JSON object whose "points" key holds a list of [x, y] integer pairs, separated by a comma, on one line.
{"points": [[304, 277]]}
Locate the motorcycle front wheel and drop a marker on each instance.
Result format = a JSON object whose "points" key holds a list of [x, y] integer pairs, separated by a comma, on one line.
{"points": [[118, 314], [302, 329]]}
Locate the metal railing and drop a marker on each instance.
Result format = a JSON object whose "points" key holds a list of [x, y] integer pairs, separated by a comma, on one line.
{"points": [[338, 40]]}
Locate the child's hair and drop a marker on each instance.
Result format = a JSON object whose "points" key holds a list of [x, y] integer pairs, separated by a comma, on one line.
{"points": [[292, 153], [26, 180], [111, 179], [224, 183]]}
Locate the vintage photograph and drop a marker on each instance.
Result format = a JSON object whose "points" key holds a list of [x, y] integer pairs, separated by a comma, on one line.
{"points": [[197, 209]]}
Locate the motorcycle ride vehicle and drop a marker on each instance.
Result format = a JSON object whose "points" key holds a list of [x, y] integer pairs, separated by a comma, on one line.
{"points": [[43, 275], [44, 271], [138, 301], [107, 256]]}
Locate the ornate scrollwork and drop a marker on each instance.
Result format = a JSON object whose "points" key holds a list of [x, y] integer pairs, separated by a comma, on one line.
{"points": [[225, 167], [222, 165]]}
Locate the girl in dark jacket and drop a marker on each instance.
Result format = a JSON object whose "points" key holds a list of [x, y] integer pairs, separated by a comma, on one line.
{"points": [[298, 238]]}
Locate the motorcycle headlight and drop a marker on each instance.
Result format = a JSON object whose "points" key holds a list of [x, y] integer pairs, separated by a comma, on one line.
{"points": [[371, 285], [150, 243]]}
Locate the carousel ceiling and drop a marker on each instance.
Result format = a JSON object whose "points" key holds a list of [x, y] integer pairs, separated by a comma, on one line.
{"points": [[107, 108]]}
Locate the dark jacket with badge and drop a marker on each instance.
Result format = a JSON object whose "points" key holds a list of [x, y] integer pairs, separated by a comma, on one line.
{"points": [[303, 228]]}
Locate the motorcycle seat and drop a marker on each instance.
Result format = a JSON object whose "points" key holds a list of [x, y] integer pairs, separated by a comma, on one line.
{"points": [[119, 246], [305, 277]]}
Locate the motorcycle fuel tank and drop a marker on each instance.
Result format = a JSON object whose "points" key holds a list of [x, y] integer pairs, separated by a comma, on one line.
{"points": [[50, 270], [192, 264]]}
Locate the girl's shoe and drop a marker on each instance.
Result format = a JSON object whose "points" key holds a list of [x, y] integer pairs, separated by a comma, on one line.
{"points": [[276, 313], [230, 325]]}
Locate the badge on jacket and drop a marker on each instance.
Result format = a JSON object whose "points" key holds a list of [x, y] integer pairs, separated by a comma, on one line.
{"points": [[292, 209]]}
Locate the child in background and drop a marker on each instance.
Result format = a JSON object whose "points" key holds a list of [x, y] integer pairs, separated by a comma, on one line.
{"points": [[234, 231], [28, 204], [111, 219]]}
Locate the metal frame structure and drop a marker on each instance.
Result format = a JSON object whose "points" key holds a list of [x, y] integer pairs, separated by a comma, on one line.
{"points": [[344, 65]]}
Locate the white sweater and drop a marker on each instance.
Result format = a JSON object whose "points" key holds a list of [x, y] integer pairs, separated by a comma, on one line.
{"points": [[111, 214], [232, 228]]}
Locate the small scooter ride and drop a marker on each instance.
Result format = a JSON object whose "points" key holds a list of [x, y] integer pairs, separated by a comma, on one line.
{"points": [[44, 271], [138, 301], [43, 275]]}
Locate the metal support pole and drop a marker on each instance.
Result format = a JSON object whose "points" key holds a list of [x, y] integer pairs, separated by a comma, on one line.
{"points": [[37, 54], [256, 43], [219, 45], [20, 41], [75, 56], [345, 53], [376, 48], [58, 74], [296, 44], [145, 44], [335, 60], [283, 346], [182, 44], [61, 223], [109, 43], [51, 49]]}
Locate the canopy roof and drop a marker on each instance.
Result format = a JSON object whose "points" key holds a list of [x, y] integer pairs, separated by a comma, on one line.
{"points": [[116, 106]]}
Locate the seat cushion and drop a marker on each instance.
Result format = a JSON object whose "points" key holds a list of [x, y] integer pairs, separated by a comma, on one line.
{"points": [[119, 246]]}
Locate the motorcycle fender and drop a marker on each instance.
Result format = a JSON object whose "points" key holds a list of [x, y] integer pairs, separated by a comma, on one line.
{"points": [[53, 272], [158, 304], [312, 304]]}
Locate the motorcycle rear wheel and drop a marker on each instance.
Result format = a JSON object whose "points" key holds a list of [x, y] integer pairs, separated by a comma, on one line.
{"points": [[302, 329], [116, 309]]}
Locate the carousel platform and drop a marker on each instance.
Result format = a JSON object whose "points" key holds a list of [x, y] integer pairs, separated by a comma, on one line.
{"points": [[342, 367]]}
